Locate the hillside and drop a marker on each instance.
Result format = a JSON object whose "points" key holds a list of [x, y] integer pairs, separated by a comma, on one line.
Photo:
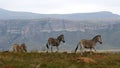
{"points": [[6, 14], [35, 32]]}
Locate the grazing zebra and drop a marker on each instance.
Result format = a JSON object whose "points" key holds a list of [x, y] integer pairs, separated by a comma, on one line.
{"points": [[19, 48]]}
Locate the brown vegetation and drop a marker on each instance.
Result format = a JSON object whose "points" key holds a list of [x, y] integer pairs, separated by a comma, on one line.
{"points": [[58, 60], [86, 60]]}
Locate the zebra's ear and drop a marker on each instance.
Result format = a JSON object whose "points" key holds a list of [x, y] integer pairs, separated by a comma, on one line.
{"points": [[99, 35]]}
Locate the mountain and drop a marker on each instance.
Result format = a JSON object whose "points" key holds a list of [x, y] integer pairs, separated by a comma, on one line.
{"points": [[6, 14]]}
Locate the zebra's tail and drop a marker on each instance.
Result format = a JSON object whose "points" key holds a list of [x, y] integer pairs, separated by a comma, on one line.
{"points": [[76, 47], [47, 46]]}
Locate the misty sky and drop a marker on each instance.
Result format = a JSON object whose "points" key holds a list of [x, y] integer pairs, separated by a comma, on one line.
{"points": [[61, 6]]}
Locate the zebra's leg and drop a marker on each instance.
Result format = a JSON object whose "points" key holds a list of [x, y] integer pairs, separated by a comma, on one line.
{"points": [[81, 49], [51, 48], [94, 49], [90, 51], [57, 48], [13, 49], [47, 50], [47, 45]]}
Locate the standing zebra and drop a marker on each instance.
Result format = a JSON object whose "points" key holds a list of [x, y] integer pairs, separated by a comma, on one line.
{"points": [[55, 42]]}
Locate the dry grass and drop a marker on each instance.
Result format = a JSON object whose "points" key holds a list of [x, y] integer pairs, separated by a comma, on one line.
{"points": [[86, 60], [59, 60]]}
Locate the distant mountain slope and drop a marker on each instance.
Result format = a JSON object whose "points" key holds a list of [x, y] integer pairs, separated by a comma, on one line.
{"points": [[6, 14], [35, 32]]}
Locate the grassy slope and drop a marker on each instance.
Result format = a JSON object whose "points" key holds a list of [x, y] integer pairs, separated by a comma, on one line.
{"points": [[57, 60]]}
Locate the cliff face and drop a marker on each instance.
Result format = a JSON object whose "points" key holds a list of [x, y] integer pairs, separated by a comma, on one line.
{"points": [[49, 25], [37, 31]]}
